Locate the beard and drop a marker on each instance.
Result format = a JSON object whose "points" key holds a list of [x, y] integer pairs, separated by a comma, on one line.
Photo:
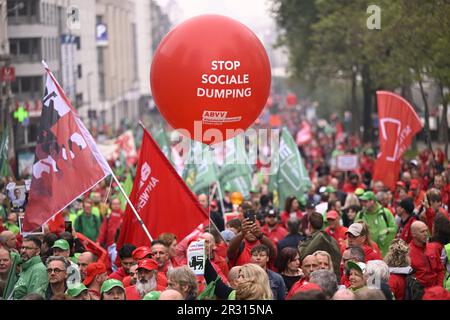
{"points": [[144, 287]]}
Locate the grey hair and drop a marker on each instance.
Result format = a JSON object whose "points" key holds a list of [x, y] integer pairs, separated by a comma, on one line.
{"points": [[381, 195], [58, 258], [183, 275], [325, 279], [379, 268]]}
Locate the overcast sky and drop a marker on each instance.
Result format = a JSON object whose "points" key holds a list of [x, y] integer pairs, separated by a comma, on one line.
{"points": [[253, 13]]}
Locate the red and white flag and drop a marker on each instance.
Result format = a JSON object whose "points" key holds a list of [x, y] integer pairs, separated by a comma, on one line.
{"points": [[161, 198], [398, 123], [67, 162], [305, 134]]}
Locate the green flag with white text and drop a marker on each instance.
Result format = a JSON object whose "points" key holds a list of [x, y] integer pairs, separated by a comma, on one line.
{"points": [[291, 178], [4, 143]]}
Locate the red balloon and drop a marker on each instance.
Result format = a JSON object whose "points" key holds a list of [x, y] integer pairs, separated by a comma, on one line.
{"points": [[291, 100], [210, 72]]}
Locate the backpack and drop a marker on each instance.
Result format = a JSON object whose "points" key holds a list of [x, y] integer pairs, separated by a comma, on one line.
{"points": [[413, 288]]}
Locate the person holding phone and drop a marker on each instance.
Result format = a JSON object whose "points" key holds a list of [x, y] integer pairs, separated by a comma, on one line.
{"points": [[239, 249]]}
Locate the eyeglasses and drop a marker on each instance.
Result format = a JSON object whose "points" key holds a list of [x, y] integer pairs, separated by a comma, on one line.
{"points": [[28, 248], [55, 270]]}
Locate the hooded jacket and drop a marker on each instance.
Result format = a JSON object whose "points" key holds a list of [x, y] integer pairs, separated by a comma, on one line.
{"points": [[33, 278], [380, 232]]}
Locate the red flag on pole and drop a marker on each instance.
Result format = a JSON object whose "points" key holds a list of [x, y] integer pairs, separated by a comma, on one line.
{"points": [[67, 162], [398, 123], [161, 198]]}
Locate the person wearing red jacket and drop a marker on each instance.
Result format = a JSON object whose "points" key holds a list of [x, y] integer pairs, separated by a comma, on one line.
{"points": [[146, 281], [425, 258], [291, 208], [109, 226], [439, 184], [405, 210], [358, 235], [397, 259], [353, 183], [334, 229], [432, 205], [416, 193], [309, 265], [272, 230]]}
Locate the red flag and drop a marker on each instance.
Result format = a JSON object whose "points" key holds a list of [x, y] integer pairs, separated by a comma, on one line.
{"points": [[398, 123], [304, 136], [161, 198], [67, 162]]}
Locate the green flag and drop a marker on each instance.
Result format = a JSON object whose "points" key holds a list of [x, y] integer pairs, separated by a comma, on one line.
{"points": [[291, 179], [4, 143], [163, 141], [236, 172], [199, 171], [127, 187]]}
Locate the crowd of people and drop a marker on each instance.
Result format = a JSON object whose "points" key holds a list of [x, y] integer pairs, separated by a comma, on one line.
{"points": [[347, 238]]}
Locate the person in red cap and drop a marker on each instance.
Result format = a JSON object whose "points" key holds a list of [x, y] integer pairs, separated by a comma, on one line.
{"points": [[147, 281], [95, 276], [416, 193], [334, 229], [400, 191]]}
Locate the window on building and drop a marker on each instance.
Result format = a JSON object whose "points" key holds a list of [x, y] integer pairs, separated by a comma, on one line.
{"points": [[80, 71], [27, 49], [78, 42]]}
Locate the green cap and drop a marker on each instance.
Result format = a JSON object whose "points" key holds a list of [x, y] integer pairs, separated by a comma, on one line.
{"points": [[61, 244], [368, 195], [330, 189], [152, 295], [359, 192], [227, 188], [111, 283], [76, 290], [360, 266]]}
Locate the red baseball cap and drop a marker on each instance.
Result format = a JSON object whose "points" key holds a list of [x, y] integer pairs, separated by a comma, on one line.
{"points": [[400, 184], [148, 264], [141, 252], [92, 270], [414, 184], [332, 214]]}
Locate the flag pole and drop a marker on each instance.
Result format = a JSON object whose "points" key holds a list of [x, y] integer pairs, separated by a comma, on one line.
{"points": [[219, 190], [132, 207]]}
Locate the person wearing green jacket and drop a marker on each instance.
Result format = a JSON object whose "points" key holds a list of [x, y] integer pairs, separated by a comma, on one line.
{"points": [[33, 277], [381, 221], [87, 223], [8, 275]]}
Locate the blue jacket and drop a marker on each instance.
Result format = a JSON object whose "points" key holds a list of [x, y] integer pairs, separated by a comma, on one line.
{"points": [[277, 285]]}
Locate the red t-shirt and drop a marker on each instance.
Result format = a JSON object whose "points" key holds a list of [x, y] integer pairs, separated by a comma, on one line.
{"points": [[339, 234], [276, 234], [295, 287], [245, 256], [372, 253], [284, 216]]}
